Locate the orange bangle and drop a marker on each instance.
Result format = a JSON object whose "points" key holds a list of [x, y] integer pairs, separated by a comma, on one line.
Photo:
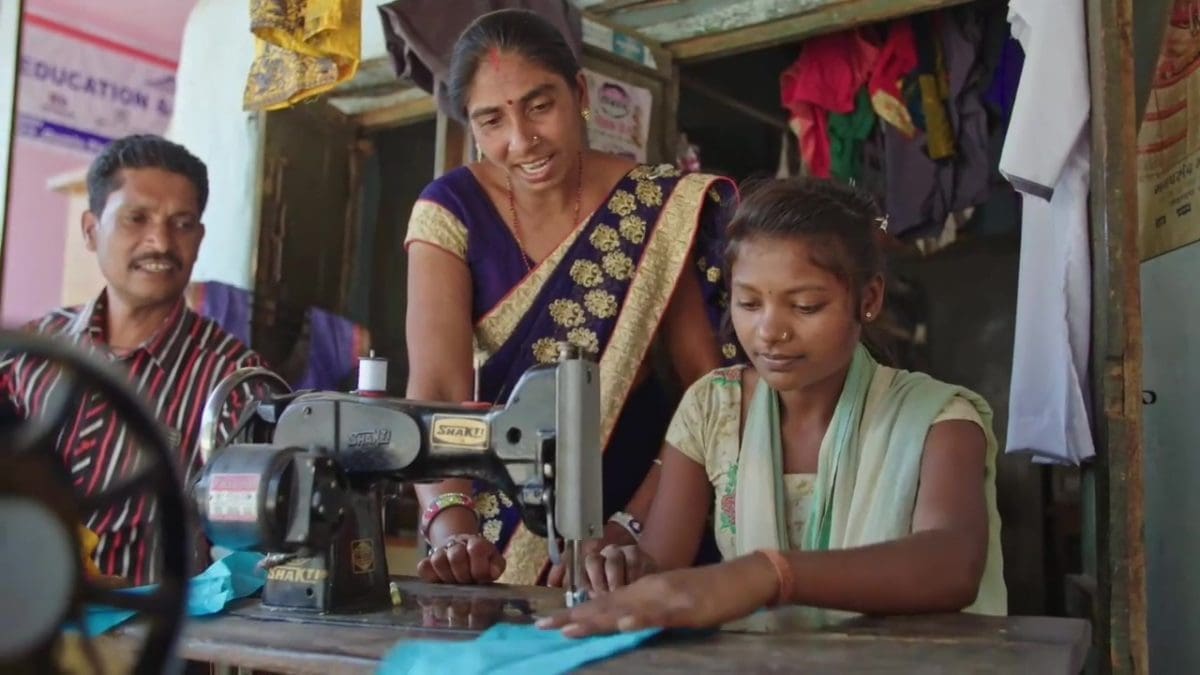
{"points": [[783, 574]]}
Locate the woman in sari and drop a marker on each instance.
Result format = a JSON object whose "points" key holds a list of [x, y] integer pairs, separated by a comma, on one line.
{"points": [[544, 241], [839, 483]]}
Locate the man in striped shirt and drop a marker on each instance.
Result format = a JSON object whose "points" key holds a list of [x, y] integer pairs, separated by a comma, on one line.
{"points": [[145, 199]]}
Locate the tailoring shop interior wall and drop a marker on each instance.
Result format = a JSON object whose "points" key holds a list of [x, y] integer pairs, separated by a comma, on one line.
{"points": [[1171, 331], [218, 49], [1171, 349], [37, 216], [10, 26]]}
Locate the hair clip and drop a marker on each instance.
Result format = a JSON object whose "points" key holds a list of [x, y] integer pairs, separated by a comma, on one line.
{"points": [[883, 222]]}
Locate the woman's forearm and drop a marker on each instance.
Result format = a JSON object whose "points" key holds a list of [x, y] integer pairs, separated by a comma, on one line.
{"points": [[932, 571]]}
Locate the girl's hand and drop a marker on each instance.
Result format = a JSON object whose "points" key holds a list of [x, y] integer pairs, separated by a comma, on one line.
{"points": [[700, 597]]}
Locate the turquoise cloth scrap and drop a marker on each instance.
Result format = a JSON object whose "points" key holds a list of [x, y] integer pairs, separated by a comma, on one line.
{"points": [[235, 576], [509, 649]]}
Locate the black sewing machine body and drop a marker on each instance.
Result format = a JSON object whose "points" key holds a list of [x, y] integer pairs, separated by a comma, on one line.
{"points": [[310, 497]]}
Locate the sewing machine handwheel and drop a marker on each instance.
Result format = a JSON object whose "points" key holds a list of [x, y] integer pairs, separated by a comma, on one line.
{"points": [[158, 477]]}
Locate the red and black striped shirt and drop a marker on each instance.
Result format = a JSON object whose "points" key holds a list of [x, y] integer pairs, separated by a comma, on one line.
{"points": [[175, 370]]}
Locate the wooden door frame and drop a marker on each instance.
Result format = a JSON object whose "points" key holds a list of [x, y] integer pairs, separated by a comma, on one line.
{"points": [[11, 12], [1114, 548]]}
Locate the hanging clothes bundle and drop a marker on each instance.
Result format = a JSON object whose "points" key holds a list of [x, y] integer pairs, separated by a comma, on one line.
{"points": [[927, 159], [325, 347]]}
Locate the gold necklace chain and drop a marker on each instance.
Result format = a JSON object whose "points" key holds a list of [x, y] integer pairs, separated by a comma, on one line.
{"points": [[516, 221]]}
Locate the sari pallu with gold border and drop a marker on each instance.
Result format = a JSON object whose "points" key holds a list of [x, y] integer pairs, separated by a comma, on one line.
{"points": [[605, 288]]}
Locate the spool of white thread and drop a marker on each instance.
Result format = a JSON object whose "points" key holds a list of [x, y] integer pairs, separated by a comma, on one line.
{"points": [[372, 374]]}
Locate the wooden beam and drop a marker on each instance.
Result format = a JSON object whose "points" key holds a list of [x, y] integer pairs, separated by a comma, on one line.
{"points": [[451, 150], [397, 114], [773, 121], [670, 20], [1119, 557], [606, 6], [670, 125], [826, 17], [663, 60]]}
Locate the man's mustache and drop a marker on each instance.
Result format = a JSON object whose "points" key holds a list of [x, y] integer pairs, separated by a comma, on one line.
{"points": [[157, 257]]}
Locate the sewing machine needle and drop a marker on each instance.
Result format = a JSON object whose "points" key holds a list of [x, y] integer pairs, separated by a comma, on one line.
{"points": [[478, 364]]}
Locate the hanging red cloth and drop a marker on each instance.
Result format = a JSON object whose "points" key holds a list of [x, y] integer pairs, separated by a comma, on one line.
{"points": [[825, 78]]}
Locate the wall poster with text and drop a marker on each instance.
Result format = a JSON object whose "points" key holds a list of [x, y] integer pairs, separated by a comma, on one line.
{"points": [[79, 91], [1169, 140], [620, 121]]}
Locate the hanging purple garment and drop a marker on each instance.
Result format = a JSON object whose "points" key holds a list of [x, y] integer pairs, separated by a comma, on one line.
{"points": [[333, 348], [1005, 78], [229, 306], [334, 343], [921, 192]]}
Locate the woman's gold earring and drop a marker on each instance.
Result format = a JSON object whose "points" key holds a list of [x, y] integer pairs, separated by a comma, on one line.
{"points": [[587, 114]]}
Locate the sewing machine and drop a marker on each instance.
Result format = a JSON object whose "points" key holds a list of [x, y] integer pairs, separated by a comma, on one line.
{"points": [[310, 497], [551, 410]]}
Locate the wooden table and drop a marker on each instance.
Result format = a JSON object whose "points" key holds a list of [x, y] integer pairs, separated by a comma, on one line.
{"points": [[792, 640]]}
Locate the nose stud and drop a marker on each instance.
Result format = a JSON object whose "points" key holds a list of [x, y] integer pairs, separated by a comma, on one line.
{"points": [[784, 335]]}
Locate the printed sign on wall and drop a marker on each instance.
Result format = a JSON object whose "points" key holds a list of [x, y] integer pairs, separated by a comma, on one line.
{"points": [[620, 121], [80, 92], [1169, 140]]}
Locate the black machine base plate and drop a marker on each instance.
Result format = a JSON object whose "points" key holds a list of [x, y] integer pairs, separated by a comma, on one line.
{"points": [[447, 611]]}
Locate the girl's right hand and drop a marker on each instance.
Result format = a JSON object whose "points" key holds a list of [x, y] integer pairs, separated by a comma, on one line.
{"points": [[617, 566], [462, 559]]}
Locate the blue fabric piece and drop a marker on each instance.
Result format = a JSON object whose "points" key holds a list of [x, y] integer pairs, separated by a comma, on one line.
{"points": [[233, 577], [509, 649]]}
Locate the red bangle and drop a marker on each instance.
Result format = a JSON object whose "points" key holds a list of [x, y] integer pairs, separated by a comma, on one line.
{"points": [[783, 574], [440, 503]]}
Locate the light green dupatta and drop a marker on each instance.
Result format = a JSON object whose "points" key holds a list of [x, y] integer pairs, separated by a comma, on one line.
{"points": [[868, 471]]}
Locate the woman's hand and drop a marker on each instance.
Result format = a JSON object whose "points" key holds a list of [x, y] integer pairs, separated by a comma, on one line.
{"points": [[700, 597], [462, 559]]}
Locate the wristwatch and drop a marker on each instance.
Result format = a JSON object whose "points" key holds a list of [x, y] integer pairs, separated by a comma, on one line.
{"points": [[627, 521]]}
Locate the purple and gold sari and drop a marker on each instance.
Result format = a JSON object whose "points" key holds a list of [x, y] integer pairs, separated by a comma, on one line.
{"points": [[604, 288]]}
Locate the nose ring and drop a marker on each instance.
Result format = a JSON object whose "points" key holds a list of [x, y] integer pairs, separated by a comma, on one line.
{"points": [[535, 139], [784, 335]]}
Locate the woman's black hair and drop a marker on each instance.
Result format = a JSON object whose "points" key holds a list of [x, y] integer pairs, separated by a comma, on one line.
{"points": [[516, 31]]}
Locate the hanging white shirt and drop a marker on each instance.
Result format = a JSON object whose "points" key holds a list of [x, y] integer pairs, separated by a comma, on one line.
{"points": [[1046, 157]]}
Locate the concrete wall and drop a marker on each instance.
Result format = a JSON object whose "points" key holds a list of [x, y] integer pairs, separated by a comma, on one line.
{"points": [[37, 216], [1171, 370], [216, 55], [10, 24], [1171, 348], [217, 49]]}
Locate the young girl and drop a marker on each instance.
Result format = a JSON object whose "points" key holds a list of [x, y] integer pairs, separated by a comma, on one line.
{"points": [[837, 482]]}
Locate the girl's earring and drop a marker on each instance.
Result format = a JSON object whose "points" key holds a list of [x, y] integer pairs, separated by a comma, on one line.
{"points": [[587, 114]]}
